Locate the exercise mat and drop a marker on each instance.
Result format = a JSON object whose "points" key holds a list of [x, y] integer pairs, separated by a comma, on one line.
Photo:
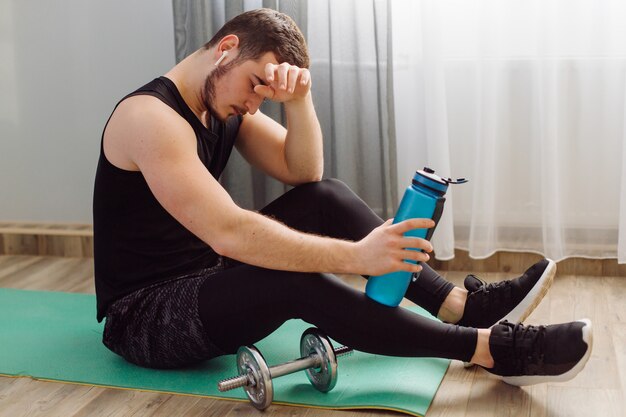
{"points": [[54, 336]]}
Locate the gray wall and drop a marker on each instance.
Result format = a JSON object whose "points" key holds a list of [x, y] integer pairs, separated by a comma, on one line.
{"points": [[63, 66]]}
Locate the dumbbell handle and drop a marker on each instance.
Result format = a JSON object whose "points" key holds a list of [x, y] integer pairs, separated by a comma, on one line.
{"points": [[311, 361]]}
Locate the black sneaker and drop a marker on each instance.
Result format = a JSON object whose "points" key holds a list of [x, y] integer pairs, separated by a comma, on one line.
{"points": [[527, 355], [513, 300]]}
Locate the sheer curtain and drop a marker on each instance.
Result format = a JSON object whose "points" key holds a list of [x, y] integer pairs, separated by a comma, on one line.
{"points": [[527, 99], [352, 78], [350, 47]]}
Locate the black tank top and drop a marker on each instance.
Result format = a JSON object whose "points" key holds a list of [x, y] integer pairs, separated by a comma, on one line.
{"points": [[136, 241]]}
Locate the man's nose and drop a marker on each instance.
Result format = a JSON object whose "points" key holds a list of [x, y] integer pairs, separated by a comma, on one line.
{"points": [[254, 102]]}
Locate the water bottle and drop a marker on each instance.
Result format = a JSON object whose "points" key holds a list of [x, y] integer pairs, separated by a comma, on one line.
{"points": [[424, 198]]}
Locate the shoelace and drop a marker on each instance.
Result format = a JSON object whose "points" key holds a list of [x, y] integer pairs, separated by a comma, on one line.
{"points": [[489, 301], [528, 348]]}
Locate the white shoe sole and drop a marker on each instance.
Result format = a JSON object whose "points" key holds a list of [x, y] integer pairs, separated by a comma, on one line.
{"points": [[534, 296], [538, 379]]}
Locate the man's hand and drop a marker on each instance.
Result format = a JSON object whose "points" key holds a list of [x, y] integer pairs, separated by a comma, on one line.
{"points": [[286, 83], [385, 248]]}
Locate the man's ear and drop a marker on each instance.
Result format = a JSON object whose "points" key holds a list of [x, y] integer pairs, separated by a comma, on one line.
{"points": [[228, 43]]}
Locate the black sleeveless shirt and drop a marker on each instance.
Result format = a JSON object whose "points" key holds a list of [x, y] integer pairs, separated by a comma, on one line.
{"points": [[136, 241]]}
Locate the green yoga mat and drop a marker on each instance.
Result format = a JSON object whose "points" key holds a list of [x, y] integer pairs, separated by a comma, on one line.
{"points": [[54, 336]]}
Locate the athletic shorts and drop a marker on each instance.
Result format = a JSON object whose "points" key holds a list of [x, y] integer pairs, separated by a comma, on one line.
{"points": [[159, 326]]}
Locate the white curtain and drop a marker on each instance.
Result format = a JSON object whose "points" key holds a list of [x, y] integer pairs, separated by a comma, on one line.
{"points": [[526, 99]]}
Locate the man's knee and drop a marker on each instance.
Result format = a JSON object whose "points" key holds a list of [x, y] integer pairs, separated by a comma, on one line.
{"points": [[328, 189]]}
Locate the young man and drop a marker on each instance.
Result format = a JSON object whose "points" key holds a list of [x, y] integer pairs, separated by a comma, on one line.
{"points": [[183, 274]]}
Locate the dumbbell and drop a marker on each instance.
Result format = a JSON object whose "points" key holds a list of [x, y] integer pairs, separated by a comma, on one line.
{"points": [[319, 360]]}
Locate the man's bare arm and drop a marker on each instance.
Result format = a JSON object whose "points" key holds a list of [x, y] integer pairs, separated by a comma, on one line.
{"points": [[294, 155], [163, 146]]}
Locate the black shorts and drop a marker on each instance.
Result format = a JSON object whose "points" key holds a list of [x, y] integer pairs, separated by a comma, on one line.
{"points": [[159, 326]]}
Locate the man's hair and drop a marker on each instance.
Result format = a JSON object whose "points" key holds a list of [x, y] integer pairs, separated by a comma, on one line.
{"points": [[265, 30]]}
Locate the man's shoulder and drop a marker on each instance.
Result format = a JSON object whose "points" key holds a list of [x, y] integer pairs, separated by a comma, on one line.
{"points": [[150, 114], [145, 105], [141, 123]]}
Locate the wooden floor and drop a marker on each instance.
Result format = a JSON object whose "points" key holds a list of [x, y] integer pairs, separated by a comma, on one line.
{"points": [[598, 391]]}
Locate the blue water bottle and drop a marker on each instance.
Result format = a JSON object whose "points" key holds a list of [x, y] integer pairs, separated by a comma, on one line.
{"points": [[424, 198]]}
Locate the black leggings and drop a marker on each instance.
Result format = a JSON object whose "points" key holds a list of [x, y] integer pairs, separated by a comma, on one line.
{"points": [[243, 304]]}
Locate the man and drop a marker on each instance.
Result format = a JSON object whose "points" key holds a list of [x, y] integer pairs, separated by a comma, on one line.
{"points": [[183, 274]]}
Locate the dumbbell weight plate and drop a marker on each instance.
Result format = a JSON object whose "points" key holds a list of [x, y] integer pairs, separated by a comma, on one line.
{"points": [[250, 361], [324, 377]]}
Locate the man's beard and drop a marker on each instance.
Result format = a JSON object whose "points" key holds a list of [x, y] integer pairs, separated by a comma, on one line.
{"points": [[208, 94]]}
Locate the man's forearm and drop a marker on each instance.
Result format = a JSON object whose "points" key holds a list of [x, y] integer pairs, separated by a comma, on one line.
{"points": [[304, 152], [258, 240]]}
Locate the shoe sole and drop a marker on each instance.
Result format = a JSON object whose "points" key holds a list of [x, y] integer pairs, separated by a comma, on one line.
{"points": [[531, 301], [538, 379], [534, 296]]}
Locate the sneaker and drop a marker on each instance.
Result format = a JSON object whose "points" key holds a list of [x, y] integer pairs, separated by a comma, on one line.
{"points": [[527, 355], [514, 300]]}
